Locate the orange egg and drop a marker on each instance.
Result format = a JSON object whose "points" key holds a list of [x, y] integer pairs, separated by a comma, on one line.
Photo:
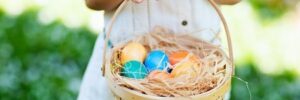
{"points": [[160, 75], [133, 51], [188, 68], [176, 57]]}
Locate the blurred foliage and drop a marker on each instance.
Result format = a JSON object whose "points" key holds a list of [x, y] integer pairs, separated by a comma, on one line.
{"points": [[285, 86], [272, 9], [41, 62]]}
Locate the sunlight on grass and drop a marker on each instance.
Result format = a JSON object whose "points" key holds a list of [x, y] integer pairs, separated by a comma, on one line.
{"points": [[274, 46], [73, 13]]}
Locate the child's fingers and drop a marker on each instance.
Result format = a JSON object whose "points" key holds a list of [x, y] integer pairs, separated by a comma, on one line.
{"points": [[138, 1]]}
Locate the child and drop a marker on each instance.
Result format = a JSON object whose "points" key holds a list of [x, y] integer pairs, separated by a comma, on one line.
{"points": [[140, 16]]}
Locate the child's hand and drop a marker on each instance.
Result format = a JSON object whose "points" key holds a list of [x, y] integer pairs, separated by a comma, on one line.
{"points": [[227, 2], [138, 1], [218, 1]]}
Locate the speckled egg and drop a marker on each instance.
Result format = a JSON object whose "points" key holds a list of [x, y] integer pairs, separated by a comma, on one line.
{"points": [[133, 51], [134, 69], [156, 60]]}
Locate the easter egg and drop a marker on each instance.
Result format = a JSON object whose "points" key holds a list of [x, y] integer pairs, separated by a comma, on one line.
{"points": [[188, 68], [156, 60], [160, 75], [133, 51], [176, 57], [134, 69]]}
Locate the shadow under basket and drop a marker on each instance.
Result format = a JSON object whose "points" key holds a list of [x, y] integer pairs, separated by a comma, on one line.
{"points": [[211, 79]]}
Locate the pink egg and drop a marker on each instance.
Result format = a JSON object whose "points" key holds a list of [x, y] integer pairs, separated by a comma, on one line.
{"points": [[158, 74]]}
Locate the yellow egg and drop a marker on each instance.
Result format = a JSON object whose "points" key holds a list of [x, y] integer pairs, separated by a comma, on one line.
{"points": [[188, 68], [133, 51]]}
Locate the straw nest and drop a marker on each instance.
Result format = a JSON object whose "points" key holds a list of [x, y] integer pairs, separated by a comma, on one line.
{"points": [[213, 62]]}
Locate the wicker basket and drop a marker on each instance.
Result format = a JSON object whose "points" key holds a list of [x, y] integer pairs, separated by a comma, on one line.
{"points": [[125, 93]]}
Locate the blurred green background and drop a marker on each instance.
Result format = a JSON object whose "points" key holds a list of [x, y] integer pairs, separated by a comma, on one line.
{"points": [[45, 46]]}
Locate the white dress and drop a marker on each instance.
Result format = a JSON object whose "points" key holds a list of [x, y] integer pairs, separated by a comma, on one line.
{"points": [[190, 16]]}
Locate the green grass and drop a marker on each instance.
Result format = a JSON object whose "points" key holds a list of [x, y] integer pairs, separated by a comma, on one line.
{"points": [[46, 62]]}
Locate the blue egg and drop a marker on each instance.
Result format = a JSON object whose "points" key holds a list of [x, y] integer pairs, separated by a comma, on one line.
{"points": [[156, 60], [134, 69]]}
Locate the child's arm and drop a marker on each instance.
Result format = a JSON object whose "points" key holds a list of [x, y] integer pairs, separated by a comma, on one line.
{"points": [[103, 4], [112, 4], [227, 2]]}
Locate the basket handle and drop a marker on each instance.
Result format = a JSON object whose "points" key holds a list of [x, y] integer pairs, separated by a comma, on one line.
{"points": [[113, 19], [228, 36], [122, 6]]}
